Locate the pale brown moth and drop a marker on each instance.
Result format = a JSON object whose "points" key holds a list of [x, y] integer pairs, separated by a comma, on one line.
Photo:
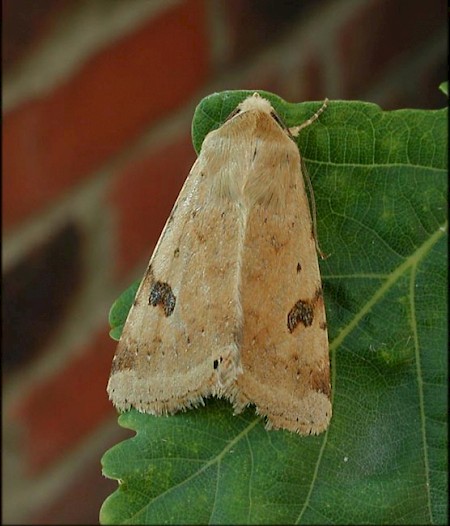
{"points": [[231, 303]]}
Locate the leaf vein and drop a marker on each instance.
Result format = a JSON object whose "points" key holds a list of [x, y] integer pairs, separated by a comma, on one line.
{"points": [[420, 387]]}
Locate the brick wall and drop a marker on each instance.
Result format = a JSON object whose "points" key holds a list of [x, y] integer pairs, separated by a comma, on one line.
{"points": [[97, 103]]}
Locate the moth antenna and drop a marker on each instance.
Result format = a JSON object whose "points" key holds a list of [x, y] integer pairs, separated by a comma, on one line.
{"points": [[313, 211], [296, 129]]}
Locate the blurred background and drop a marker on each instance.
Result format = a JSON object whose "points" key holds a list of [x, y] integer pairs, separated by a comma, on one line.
{"points": [[98, 97]]}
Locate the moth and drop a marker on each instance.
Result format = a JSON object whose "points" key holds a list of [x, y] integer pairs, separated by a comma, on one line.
{"points": [[231, 303]]}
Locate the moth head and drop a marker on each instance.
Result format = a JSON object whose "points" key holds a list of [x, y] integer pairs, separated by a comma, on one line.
{"points": [[257, 103]]}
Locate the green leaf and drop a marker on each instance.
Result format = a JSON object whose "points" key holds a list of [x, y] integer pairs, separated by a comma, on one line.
{"points": [[444, 87], [119, 310], [380, 188]]}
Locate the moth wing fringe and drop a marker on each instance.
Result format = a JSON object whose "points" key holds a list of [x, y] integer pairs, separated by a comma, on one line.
{"points": [[280, 421]]}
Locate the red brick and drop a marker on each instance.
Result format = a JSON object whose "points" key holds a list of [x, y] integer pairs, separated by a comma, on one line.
{"points": [[25, 23], [88, 487], [311, 80], [428, 96], [422, 94], [378, 33], [57, 414], [51, 143], [37, 292], [268, 78], [143, 196], [297, 84], [254, 26]]}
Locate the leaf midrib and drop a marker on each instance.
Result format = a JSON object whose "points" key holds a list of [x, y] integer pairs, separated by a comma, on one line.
{"points": [[392, 278], [373, 166]]}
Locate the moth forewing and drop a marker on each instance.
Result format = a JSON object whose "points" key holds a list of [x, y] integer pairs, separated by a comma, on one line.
{"points": [[284, 352], [172, 354], [232, 303]]}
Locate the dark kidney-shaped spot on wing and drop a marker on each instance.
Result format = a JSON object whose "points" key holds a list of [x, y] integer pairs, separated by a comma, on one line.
{"points": [[161, 294], [301, 312]]}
